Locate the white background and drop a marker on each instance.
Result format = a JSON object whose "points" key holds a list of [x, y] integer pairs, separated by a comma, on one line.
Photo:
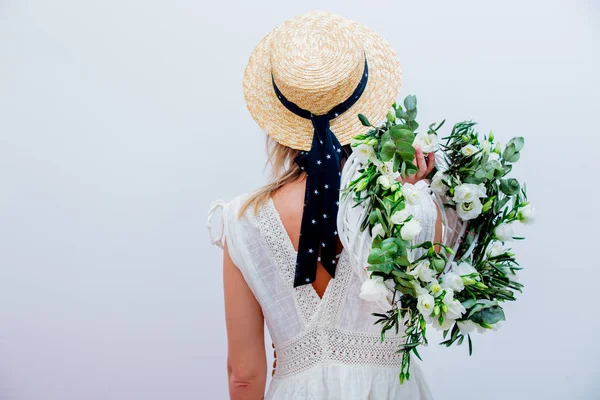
{"points": [[120, 121]]}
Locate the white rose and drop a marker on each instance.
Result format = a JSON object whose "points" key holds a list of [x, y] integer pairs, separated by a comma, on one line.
{"points": [[446, 324], [387, 168], [423, 272], [435, 288], [486, 146], [494, 157], [426, 142], [400, 216], [437, 184], [385, 181], [373, 289], [410, 230], [451, 280], [467, 326], [495, 248], [455, 307], [469, 150], [364, 152], [469, 210], [464, 268], [525, 214], [411, 193], [378, 231], [425, 304], [504, 231], [468, 192]]}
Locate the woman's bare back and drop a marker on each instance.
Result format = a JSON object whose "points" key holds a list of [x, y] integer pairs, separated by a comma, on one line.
{"points": [[289, 202]]}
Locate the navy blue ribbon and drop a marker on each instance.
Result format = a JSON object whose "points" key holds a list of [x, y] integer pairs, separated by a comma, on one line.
{"points": [[322, 164]]}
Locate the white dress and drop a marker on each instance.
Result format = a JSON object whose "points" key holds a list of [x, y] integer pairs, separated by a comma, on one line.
{"points": [[326, 348]]}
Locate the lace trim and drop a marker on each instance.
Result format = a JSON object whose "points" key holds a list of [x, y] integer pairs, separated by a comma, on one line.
{"points": [[326, 345], [313, 309], [283, 253], [338, 288]]}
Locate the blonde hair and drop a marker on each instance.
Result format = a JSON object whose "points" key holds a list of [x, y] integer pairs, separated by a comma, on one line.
{"points": [[283, 171]]}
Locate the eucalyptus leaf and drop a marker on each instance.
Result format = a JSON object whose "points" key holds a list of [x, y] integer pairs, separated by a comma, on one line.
{"points": [[518, 142], [509, 186], [387, 150], [403, 275], [412, 124], [410, 102], [489, 315], [401, 114], [376, 256], [412, 115], [401, 134]]}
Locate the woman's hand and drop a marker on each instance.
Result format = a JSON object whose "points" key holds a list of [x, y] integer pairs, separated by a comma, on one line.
{"points": [[425, 167]]}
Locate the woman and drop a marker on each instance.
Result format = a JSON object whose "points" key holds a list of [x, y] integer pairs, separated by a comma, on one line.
{"points": [[284, 263]]}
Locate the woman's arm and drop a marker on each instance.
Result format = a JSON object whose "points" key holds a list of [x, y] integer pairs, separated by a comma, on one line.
{"points": [[246, 358]]}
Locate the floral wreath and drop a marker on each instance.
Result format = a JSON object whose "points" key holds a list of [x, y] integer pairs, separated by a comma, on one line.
{"points": [[460, 288]]}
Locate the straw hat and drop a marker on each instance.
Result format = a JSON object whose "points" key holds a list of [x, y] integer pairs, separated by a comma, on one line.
{"points": [[316, 61]]}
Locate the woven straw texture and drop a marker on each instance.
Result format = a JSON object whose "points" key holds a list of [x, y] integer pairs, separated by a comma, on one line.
{"points": [[317, 60]]}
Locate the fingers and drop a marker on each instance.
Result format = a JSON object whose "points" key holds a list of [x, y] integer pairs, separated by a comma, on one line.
{"points": [[430, 162], [421, 164]]}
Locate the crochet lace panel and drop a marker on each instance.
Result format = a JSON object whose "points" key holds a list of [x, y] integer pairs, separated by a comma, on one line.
{"points": [[332, 345]]}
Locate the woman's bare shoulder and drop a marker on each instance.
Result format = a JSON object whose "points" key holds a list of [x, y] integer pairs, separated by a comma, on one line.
{"points": [[289, 202]]}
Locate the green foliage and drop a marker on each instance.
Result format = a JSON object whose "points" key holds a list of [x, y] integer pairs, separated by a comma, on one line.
{"points": [[364, 120], [487, 166]]}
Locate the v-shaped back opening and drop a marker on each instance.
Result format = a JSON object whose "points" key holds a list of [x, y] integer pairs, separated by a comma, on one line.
{"points": [[290, 244]]}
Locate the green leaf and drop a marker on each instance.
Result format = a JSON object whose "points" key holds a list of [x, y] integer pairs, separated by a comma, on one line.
{"points": [[412, 125], [518, 141], [410, 102], [414, 349], [509, 151], [403, 275], [376, 256], [509, 186], [406, 151], [364, 120], [401, 134], [386, 268], [377, 242], [410, 168], [489, 315], [515, 157], [380, 217], [401, 243], [389, 246], [397, 161], [387, 150], [401, 114], [406, 290], [500, 204], [470, 344], [412, 115], [481, 173], [468, 303], [402, 260]]}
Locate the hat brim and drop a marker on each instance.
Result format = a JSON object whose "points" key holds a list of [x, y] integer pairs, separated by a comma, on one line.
{"points": [[288, 129]]}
